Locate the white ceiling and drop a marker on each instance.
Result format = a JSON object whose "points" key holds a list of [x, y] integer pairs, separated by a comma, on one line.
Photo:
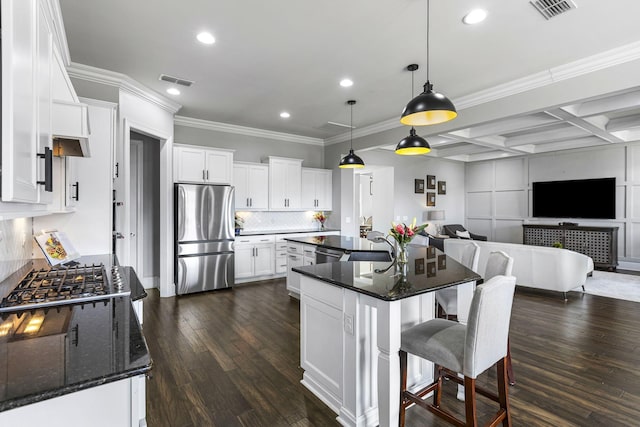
{"points": [[290, 55]]}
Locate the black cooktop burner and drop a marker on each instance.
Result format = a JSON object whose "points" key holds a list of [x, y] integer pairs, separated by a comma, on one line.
{"points": [[61, 285]]}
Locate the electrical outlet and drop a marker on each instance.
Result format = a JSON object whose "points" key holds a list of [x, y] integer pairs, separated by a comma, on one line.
{"points": [[348, 324]]}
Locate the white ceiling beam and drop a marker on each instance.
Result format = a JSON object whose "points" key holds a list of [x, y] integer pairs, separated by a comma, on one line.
{"points": [[625, 101], [551, 135], [584, 124], [623, 123], [506, 126]]}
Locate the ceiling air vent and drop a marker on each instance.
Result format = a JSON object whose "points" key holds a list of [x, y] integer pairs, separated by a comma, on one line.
{"points": [[175, 80], [553, 8]]}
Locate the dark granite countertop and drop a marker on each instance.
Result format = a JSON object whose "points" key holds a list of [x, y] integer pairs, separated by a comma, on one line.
{"points": [[429, 269], [345, 243], [262, 232], [45, 353]]}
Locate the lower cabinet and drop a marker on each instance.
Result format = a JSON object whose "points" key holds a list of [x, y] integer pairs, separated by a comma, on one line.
{"points": [[268, 256], [119, 406], [254, 256]]}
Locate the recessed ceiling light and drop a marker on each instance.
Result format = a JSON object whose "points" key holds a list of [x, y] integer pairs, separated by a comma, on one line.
{"points": [[346, 82], [475, 16], [206, 38], [285, 115], [173, 91]]}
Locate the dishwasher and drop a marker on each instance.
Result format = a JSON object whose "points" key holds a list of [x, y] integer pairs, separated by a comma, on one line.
{"points": [[325, 255]]}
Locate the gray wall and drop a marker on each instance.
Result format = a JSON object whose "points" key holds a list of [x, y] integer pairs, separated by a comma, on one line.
{"points": [[250, 148], [498, 192]]}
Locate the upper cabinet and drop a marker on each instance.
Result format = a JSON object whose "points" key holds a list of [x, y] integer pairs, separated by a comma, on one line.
{"points": [[202, 165], [316, 189], [285, 178], [251, 181], [27, 60]]}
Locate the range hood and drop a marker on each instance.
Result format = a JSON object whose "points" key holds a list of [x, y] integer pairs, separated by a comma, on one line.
{"points": [[70, 128]]}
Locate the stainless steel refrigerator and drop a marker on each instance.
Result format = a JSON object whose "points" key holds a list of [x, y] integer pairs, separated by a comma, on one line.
{"points": [[204, 233]]}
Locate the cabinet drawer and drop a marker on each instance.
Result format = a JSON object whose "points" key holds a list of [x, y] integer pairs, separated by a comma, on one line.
{"points": [[294, 248], [253, 240]]}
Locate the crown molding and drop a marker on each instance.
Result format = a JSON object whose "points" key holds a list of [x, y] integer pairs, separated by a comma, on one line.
{"points": [[243, 130], [123, 82], [590, 64]]}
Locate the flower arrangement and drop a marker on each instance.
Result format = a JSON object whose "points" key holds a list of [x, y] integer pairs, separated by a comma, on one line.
{"points": [[239, 222], [403, 233], [320, 217]]}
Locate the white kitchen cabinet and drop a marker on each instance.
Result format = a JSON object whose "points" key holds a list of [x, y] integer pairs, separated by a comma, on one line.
{"points": [[295, 258], [119, 406], [281, 255], [202, 165], [285, 180], [316, 189], [66, 185], [254, 256], [27, 57], [251, 181]]}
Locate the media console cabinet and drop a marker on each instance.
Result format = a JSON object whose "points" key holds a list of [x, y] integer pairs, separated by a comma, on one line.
{"points": [[599, 243]]}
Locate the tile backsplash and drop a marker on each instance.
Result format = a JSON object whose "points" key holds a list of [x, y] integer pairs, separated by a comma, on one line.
{"points": [[15, 245], [266, 221]]}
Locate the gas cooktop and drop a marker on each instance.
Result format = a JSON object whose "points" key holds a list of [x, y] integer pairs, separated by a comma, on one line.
{"points": [[65, 284]]}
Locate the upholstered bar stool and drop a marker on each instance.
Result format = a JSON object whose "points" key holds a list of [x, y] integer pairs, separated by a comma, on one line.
{"points": [[447, 299], [467, 349]]}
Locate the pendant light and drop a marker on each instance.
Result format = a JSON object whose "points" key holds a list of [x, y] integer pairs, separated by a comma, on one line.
{"points": [[428, 108], [351, 161], [413, 144]]}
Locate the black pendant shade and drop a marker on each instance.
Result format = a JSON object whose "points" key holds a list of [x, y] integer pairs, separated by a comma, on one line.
{"points": [[428, 108], [351, 161], [413, 145]]}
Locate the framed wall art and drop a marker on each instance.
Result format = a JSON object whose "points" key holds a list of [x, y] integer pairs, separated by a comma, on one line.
{"points": [[431, 199], [442, 187], [442, 262], [431, 182], [419, 266], [418, 186]]}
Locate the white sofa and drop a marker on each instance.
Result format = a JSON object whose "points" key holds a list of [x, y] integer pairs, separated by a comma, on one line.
{"points": [[539, 267]]}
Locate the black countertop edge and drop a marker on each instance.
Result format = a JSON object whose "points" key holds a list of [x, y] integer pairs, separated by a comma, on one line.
{"points": [[137, 290], [342, 243], [41, 396], [263, 232], [400, 295]]}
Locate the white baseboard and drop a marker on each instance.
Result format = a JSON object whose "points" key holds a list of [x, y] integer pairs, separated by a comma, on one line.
{"points": [[627, 265], [150, 282]]}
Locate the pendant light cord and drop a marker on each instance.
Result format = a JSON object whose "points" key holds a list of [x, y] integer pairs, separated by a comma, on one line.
{"points": [[351, 128], [428, 62]]}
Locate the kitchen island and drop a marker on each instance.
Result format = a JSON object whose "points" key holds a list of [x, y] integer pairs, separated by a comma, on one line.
{"points": [[351, 318], [74, 364], [309, 250]]}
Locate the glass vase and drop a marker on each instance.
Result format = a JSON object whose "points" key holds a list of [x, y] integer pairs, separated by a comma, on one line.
{"points": [[401, 256]]}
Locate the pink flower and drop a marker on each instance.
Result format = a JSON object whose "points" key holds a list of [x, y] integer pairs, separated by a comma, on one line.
{"points": [[410, 233], [400, 229]]}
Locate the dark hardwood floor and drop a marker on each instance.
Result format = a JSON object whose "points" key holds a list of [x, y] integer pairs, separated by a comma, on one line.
{"points": [[230, 358]]}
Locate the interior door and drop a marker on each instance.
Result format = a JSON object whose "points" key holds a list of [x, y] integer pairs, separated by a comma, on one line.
{"points": [[135, 206]]}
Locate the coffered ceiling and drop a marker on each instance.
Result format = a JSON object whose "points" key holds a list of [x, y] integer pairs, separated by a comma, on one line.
{"points": [[272, 56]]}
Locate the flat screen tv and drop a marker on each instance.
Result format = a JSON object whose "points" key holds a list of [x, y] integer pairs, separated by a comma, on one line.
{"points": [[582, 198]]}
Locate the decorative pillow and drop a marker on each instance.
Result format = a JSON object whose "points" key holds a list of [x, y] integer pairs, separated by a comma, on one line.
{"points": [[431, 229], [463, 234]]}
